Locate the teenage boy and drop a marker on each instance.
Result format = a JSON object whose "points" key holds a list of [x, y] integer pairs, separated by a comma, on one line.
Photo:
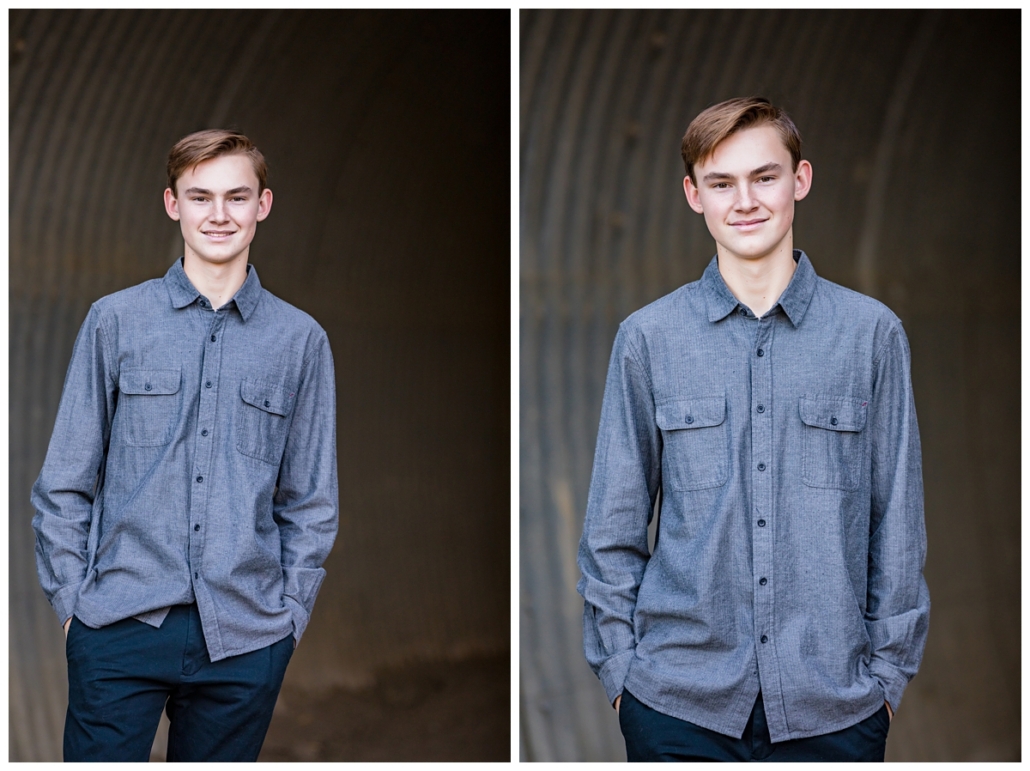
{"points": [[189, 494], [783, 609]]}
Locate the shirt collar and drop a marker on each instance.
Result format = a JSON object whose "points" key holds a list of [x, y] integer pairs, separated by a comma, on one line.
{"points": [[799, 291], [794, 300], [182, 291]]}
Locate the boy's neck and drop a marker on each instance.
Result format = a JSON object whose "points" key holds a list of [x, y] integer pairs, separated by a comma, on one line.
{"points": [[218, 282], [758, 283]]}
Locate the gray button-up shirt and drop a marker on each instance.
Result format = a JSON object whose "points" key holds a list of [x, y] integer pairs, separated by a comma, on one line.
{"points": [[193, 459], [790, 540]]}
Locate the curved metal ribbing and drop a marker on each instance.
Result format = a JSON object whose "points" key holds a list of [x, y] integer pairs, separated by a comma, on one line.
{"points": [[390, 226], [605, 97]]}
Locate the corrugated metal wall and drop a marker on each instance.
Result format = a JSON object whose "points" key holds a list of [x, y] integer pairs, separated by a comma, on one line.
{"points": [[390, 226], [912, 122]]}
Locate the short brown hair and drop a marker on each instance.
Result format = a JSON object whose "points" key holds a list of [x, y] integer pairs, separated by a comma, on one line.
{"points": [[201, 146], [716, 123]]}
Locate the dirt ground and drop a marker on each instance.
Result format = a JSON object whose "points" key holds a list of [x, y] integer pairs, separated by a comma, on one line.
{"points": [[426, 712]]}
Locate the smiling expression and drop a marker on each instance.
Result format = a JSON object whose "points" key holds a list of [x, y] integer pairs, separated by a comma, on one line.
{"points": [[218, 207], [746, 191]]}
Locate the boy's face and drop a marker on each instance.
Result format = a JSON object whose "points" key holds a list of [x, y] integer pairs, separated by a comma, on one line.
{"points": [[218, 208], [747, 190]]}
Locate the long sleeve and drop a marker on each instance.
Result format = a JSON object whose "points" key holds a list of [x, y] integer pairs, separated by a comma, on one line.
{"points": [[67, 490], [613, 551], [306, 506], [898, 601]]}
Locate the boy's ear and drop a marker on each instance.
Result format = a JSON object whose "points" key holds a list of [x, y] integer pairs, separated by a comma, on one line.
{"points": [[264, 204], [171, 204], [693, 197], [802, 180]]}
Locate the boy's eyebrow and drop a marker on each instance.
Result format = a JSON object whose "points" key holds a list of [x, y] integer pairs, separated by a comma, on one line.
{"points": [[203, 191], [715, 175]]}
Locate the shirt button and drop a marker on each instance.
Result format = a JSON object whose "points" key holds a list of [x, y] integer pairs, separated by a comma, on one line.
{"points": [[761, 467], [196, 575], [761, 523], [207, 384], [764, 639], [213, 338], [197, 527], [200, 479], [761, 408], [269, 404], [147, 386], [203, 304], [762, 581], [833, 421], [689, 418], [204, 432], [761, 352], [743, 312]]}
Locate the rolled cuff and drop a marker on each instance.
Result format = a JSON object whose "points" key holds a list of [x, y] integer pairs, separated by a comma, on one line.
{"points": [[301, 617], [892, 681], [64, 602], [613, 673]]}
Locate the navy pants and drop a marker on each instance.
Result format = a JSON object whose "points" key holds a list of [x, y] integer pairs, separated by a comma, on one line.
{"points": [[653, 736], [121, 676]]}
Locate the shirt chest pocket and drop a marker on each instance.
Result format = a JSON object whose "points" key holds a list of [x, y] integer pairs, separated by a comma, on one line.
{"points": [[148, 406], [262, 420], [833, 443], [695, 441]]}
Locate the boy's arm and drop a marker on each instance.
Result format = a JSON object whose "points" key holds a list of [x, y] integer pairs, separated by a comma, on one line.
{"points": [[306, 505], [613, 551], [898, 602], [63, 495]]}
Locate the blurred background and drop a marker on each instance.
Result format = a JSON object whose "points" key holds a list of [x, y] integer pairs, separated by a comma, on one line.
{"points": [[387, 135], [912, 122]]}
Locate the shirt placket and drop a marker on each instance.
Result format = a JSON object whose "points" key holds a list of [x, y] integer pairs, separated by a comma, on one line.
{"points": [[205, 437], [763, 472]]}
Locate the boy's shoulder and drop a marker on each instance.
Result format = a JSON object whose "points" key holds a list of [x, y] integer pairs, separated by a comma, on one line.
{"points": [[131, 297], [846, 301], [287, 313], [687, 299]]}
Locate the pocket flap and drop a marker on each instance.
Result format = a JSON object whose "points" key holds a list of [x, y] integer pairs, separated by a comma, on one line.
{"points": [[266, 397], [149, 381], [839, 414], [701, 412]]}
